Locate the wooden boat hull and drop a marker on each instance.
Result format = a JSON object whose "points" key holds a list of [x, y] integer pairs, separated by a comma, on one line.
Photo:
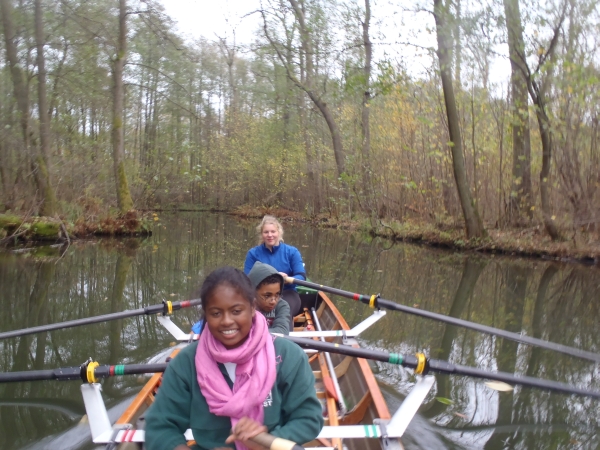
{"points": [[359, 389]]}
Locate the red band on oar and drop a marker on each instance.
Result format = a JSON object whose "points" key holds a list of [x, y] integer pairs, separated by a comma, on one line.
{"points": [[185, 303], [356, 297], [111, 371]]}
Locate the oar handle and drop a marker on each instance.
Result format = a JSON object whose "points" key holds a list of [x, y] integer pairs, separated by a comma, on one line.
{"points": [[274, 443]]}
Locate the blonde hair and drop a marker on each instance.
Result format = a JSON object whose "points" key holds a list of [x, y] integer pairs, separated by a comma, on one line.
{"points": [[265, 221]]}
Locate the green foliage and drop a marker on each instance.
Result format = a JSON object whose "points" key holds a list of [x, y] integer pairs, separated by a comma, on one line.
{"points": [[10, 221], [45, 230]]}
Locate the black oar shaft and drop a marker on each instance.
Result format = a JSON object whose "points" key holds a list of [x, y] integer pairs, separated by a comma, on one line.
{"points": [[448, 368], [80, 373], [442, 367], [491, 330], [412, 361], [68, 373], [148, 310], [387, 304]]}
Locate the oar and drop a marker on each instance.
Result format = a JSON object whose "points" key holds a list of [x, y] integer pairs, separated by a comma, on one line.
{"points": [[90, 371], [338, 391], [325, 373], [166, 307], [422, 365], [376, 301]]}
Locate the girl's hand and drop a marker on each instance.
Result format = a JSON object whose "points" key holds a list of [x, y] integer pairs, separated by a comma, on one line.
{"points": [[246, 429]]}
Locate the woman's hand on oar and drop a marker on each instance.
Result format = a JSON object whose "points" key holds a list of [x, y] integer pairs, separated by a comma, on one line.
{"points": [[166, 308], [374, 301]]}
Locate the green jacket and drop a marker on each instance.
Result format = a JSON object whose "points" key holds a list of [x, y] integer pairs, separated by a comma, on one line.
{"points": [[293, 412]]}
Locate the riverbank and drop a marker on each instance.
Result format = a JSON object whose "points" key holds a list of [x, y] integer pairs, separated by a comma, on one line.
{"points": [[15, 228], [533, 242]]}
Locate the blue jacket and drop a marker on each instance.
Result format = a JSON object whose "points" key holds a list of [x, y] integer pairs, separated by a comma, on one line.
{"points": [[283, 257]]}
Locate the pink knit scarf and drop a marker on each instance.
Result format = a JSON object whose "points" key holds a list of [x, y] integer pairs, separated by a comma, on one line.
{"points": [[254, 374]]}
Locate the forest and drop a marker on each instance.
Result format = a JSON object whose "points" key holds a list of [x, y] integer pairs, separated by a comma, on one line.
{"points": [[106, 108]]}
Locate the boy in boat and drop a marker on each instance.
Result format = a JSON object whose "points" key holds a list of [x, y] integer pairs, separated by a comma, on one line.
{"points": [[236, 381], [269, 284]]}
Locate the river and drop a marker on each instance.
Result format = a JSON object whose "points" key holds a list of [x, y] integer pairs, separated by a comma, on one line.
{"points": [[549, 300]]}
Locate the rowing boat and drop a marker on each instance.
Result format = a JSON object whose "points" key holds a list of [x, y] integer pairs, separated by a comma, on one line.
{"points": [[355, 412], [361, 401]]}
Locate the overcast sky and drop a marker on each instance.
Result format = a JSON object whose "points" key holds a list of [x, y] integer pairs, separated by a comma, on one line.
{"points": [[206, 17], [210, 18]]}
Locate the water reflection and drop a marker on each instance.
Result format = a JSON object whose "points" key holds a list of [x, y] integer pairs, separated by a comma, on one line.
{"points": [[541, 299]]}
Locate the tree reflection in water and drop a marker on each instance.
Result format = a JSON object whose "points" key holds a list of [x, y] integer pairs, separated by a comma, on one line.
{"points": [[542, 299]]}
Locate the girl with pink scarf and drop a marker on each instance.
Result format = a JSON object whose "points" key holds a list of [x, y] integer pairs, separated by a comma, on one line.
{"points": [[236, 382]]}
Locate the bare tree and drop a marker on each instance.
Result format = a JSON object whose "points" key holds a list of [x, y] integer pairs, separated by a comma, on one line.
{"points": [[473, 222], [50, 203], [538, 86], [123, 194], [366, 100], [519, 205], [308, 85], [21, 92]]}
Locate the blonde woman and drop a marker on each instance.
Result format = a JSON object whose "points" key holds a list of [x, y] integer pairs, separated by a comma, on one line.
{"points": [[286, 259]]}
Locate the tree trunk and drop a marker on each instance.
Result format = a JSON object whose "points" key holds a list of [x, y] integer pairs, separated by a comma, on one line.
{"points": [[537, 90], [50, 205], [231, 114], [473, 221], [313, 179], [546, 136], [365, 115], [521, 195], [458, 43], [21, 92], [7, 197], [336, 136], [123, 194]]}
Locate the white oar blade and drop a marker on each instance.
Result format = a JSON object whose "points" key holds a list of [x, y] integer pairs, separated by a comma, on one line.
{"points": [[499, 386]]}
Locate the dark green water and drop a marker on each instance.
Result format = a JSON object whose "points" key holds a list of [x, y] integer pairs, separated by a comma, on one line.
{"points": [[547, 300]]}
